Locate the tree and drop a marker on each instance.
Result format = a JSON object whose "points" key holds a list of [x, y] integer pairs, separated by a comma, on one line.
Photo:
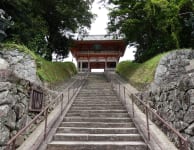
{"points": [[29, 28], [5, 22], [153, 24], [46, 26], [186, 19], [63, 18]]}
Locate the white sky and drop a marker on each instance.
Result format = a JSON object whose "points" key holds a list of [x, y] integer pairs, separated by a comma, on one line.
{"points": [[99, 26]]}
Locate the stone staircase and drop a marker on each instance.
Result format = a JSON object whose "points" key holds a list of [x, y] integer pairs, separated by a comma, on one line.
{"points": [[97, 121]]}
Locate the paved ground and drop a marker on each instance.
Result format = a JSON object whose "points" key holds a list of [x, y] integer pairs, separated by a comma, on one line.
{"points": [[158, 140]]}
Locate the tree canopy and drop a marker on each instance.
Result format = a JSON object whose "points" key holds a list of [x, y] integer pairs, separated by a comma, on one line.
{"points": [[154, 25], [46, 26]]}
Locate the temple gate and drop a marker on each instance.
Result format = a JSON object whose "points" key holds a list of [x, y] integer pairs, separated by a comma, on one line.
{"points": [[98, 52]]}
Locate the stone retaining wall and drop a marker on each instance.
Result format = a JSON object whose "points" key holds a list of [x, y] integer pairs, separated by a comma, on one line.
{"points": [[172, 93], [17, 78], [20, 63]]}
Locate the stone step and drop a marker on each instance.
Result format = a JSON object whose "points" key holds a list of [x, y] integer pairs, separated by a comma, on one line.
{"points": [[94, 87], [88, 105], [97, 124], [99, 100], [99, 92], [89, 110], [95, 98], [104, 90], [98, 105], [97, 119], [97, 130], [94, 101], [96, 94], [98, 145], [96, 90], [99, 111], [96, 108], [96, 137], [94, 114], [97, 87]]}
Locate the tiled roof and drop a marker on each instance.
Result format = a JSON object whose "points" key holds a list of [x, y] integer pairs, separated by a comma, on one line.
{"points": [[100, 37]]}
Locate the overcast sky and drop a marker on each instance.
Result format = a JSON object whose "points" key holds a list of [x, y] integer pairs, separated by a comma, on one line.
{"points": [[99, 26]]}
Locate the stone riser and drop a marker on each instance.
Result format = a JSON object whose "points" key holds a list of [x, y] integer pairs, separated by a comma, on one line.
{"points": [[99, 105], [97, 119], [95, 107], [97, 102], [97, 137], [97, 87], [97, 124], [94, 101], [100, 98], [97, 146], [89, 114], [96, 96], [87, 96], [97, 130], [101, 94], [99, 90], [99, 111], [89, 110]]}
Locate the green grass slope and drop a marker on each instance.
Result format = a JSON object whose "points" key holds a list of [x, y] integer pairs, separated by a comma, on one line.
{"points": [[139, 74], [51, 72]]}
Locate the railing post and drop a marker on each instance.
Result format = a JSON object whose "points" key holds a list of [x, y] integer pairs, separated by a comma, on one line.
{"points": [[183, 144], [45, 126], [72, 92], [147, 120], [132, 96], [180, 144], [11, 146], [124, 95], [14, 148], [61, 103], [68, 95], [111, 84], [186, 144], [119, 91]]}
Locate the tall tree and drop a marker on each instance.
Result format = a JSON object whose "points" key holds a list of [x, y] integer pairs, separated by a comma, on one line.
{"points": [[153, 24], [186, 19], [46, 25], [64, 17]]}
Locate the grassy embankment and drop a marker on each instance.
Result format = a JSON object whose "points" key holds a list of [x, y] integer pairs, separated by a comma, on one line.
{"points": [[51, 72], [139, 74]]}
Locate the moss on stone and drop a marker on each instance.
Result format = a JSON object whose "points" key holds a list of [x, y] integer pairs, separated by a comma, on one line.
{"points": [[47, 71]]}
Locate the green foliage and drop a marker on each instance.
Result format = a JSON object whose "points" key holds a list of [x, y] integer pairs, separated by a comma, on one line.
{"points": [[47, 71], [46, 26], [55, 71], [139, 74], [186, 15], [155, 25]]}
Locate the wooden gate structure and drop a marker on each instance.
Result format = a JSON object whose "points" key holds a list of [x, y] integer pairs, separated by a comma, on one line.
{"points": [[98, 52]]}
